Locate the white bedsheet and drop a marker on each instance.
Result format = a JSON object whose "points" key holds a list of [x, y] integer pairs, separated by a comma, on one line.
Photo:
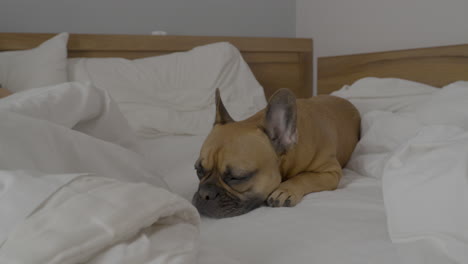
{"points": [[344, 226]]}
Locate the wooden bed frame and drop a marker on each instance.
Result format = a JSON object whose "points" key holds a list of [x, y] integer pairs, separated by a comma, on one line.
{"points": [[437, 66], [275, 62]]}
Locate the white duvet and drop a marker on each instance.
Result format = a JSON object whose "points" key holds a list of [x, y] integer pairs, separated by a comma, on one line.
{"points": [[73, 189], [419, 148]]}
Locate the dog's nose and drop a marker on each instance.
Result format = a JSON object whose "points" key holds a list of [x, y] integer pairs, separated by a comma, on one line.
{"points": [[208, 192]]}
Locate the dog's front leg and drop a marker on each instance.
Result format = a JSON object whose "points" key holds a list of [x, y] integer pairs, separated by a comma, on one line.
{"points": [[290, 192]]}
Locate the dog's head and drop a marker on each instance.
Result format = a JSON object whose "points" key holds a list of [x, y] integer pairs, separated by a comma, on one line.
{"points": [[238, 165]]}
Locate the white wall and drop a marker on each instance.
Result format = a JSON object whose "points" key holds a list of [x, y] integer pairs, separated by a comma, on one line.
{"points": [[272, 18], [356, 26]]}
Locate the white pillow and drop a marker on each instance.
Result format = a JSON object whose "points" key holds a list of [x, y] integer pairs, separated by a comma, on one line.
{"points": [[42, 66], [447, 107], [385, 94], [175, 93]]}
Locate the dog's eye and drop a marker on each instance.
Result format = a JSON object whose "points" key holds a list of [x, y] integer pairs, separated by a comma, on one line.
{"points": [[200, 171], [230, 179]]}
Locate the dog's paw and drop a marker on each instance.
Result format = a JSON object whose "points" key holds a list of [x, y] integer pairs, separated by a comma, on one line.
{"points": [[283, 197]]}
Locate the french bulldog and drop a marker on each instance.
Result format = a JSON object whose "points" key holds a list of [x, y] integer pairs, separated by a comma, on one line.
{"points": [[283, 152]]}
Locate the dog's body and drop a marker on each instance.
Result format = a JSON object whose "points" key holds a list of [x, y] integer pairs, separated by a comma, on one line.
{"points": [[278, 155]]}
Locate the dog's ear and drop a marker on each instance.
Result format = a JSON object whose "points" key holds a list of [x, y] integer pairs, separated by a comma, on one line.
{"points": [[222, 115], [280, 120]]}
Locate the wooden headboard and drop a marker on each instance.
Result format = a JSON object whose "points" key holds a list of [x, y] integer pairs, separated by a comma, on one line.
{"points": [[275, 62], [437, 66]]}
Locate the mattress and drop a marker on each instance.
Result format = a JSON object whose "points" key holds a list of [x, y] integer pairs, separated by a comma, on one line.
{"points": [[347, 225]]}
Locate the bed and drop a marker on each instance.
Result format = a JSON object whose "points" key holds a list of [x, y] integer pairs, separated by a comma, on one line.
{"points": [[360, 222]]}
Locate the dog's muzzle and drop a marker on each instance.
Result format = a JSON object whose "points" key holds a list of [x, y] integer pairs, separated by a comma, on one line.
{"points": [[215, 202]]}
